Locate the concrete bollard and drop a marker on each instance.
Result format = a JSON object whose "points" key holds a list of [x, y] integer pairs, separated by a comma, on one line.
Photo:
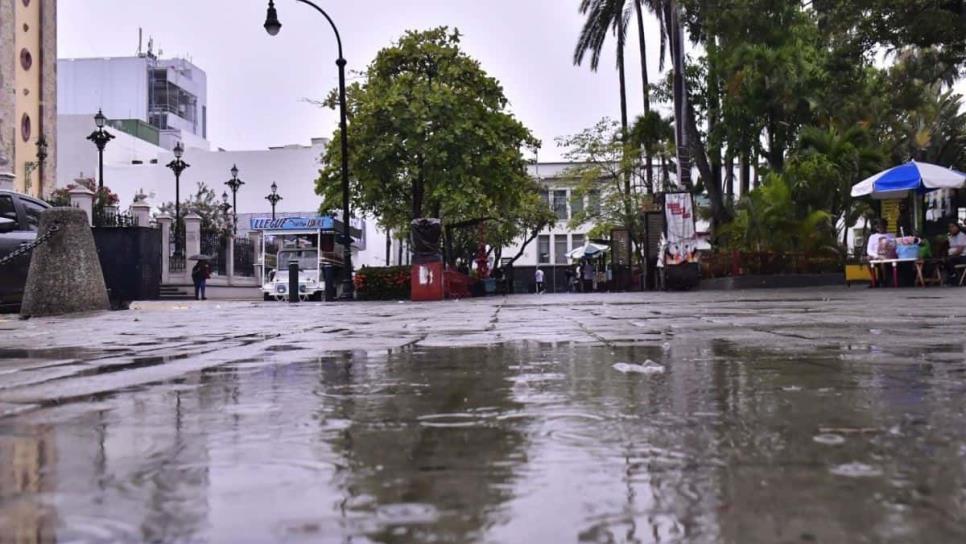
{"points": [[65, 274]]}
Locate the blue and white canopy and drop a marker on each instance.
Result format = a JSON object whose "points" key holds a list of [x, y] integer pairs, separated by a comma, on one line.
{"points": [[912, 176], [587, 251]]}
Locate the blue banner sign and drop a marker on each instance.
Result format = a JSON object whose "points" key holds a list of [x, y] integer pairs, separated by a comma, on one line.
{"points": [[292, 223]]}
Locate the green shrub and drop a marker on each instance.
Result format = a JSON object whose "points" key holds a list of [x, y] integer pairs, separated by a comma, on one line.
{"points": [[382, 283]]}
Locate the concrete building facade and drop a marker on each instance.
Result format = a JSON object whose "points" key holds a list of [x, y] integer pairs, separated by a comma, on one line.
{"points": [[163, 101], [28, 94]]}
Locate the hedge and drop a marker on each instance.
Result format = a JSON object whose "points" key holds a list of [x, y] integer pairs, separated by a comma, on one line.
{"points": [[382, 283]]}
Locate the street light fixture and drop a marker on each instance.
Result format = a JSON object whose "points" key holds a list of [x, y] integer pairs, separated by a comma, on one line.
{"points": [[225, 206], [234, 184], [177, 166], [273, 26], [273, 198], [100, 137], [30, 166]]}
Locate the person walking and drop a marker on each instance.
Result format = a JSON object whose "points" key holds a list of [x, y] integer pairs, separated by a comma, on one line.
{"points": [[199, 275], [588, 276], [538, 279]]}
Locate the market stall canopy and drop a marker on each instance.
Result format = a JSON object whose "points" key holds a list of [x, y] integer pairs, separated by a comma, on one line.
{"points": [[912, 176], [588, 250]]}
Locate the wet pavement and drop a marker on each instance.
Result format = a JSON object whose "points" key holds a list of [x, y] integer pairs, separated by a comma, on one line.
{"points": [[759, 416]]}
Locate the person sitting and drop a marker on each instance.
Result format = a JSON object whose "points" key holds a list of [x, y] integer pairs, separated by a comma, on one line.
{"points": [[956, 255]]}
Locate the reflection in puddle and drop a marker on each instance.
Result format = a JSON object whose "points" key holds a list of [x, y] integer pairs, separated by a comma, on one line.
{"points": [[508, 443]]}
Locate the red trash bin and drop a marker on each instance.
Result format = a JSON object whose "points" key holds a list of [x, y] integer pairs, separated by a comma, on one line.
{"points": [[427, 281]]}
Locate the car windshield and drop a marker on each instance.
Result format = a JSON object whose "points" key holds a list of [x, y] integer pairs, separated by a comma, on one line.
{"points": [[308, 258]]}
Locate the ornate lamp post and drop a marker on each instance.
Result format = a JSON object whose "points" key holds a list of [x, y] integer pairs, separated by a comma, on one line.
{"points": [[273, 26], [273, 198], [100, 137], [225, 207], [30, 166], [234, 184], [177, 166]]}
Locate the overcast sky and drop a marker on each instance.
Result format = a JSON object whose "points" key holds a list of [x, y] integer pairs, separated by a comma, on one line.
{"points": [[257, 84]]}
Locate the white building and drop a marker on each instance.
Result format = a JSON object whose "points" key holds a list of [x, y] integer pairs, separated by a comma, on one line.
{"points": [[163, 101]]}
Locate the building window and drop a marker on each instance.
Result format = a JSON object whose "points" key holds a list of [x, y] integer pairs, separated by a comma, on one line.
{"points": [[25, 127], [560, 204], [545, 197], [577, 240], [560, 249], [593, 204], [26, 59], [543, 249], [576, 203]]}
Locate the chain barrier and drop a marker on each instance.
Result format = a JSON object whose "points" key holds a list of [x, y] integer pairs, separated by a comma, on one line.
{"points": [[28, 247]]}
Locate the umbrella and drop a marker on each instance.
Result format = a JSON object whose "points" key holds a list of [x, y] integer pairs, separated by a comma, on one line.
{"points": [[912, 176], [201, 258], [589, 249]]}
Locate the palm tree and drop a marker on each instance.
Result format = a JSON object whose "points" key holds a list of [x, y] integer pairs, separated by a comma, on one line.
{"points": [[604, 17]]}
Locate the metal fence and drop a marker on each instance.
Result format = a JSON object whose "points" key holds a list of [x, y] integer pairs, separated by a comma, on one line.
{"points": [[244, 257], [176, 259], [214, 244]]}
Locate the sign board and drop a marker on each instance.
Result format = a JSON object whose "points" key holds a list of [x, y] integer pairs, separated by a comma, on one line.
{"points": [[681, 244], [292, 223], [621, 246], [890, 212], [679, 211]]}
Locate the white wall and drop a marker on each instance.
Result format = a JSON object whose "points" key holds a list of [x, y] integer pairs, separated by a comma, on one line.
{"points": [[77, 157], [119, 86]]}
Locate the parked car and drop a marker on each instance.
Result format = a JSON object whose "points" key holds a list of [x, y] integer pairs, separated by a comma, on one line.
{"points": [[19, 222]]}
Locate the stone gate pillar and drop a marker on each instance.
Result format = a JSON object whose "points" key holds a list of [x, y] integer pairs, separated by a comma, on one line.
{"points": [[164, 222], [141, 211], [83, 198], [192, 234]]}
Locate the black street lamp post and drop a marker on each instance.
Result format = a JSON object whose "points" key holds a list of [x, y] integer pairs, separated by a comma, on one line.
{"points": [[234, 184], [273, 26], [100, 137], [225, 207], [273, 198], [177, 166], [29, 167]]}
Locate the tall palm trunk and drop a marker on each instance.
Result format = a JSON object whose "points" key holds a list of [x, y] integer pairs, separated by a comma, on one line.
{"points": [[623, 82], [623, 89], [648, 162], [744, 175], [673, 22]]}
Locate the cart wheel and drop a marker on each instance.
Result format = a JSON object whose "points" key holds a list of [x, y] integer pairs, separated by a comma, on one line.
{"points": [[267, 297]]}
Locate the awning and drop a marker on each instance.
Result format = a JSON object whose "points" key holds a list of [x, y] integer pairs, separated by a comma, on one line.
{"points": [[912, 176]]}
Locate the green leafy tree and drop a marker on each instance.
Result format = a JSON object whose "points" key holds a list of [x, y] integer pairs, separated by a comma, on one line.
{"points": [[599, 166], [430, 135], [206, 204]]}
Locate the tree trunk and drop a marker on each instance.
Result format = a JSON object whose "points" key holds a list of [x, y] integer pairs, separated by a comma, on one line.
{"points": [[719, 213], [418, 184], [665, 173], [623, 83], [680, 95], [744, 175], [388, 246], [730, 176], [648, 161]]}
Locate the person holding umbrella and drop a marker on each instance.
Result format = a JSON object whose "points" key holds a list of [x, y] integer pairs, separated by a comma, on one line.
{"points": [[200, 275]]}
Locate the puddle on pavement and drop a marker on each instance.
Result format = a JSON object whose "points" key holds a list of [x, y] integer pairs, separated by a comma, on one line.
{"points": [[526, 442]]}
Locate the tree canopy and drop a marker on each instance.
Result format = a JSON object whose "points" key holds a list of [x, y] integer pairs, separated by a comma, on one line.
{"points": [[431, 135]]}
